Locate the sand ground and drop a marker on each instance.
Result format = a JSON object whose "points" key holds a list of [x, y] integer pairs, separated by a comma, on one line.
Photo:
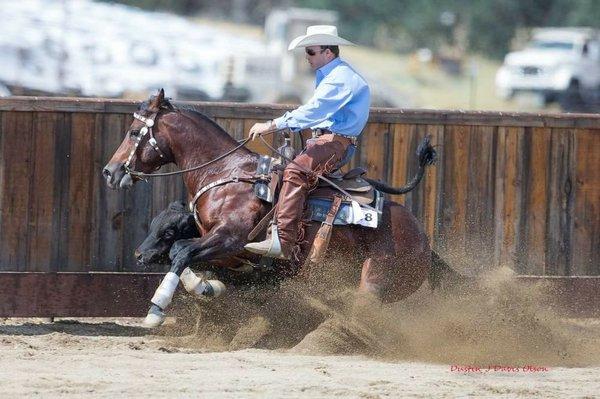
{"points": [[108, 359], [498, 342]]}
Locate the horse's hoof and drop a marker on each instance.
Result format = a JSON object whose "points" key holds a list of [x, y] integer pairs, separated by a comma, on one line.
{"points": [[154, 318]]}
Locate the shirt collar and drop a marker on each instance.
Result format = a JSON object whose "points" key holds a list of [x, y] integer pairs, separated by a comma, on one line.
{"points": [[327, 68]]}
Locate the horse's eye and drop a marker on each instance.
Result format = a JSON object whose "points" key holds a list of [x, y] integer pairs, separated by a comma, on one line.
{"points": [[134, 133]]}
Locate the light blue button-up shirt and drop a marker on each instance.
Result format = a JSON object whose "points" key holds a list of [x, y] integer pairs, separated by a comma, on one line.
{"points": [[340, 102]]}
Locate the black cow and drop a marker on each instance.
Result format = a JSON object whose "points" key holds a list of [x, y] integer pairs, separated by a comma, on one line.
{"points": [[172, 224]]}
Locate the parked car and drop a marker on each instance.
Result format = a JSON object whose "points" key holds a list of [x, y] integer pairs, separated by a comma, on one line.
{"points": [[4, 92], [561, 64]]}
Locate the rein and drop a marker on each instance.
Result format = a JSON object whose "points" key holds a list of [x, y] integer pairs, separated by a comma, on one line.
{"points": [[179, 172], [149, 122]]}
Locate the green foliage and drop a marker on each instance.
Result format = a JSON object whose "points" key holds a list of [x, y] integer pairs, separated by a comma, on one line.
{"points": [[484, 26]]}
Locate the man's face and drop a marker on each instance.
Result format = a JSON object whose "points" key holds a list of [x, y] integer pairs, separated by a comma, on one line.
{"points": [[317, 57]]}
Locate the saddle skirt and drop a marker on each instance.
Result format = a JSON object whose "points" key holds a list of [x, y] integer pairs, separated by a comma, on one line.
{"points": [[352, 182]]}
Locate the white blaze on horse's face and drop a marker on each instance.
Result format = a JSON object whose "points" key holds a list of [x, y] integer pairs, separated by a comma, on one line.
{"points": [[136, 153]]}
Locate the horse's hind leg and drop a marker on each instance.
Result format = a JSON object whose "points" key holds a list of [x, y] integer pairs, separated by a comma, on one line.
{"points": [[371, 279], [391, 279]]}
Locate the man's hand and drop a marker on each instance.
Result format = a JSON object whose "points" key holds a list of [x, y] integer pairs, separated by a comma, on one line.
{"points": [[260, 128]]}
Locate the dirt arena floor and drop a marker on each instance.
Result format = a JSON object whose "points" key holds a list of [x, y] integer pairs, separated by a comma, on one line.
{"points": [[314, 341]]}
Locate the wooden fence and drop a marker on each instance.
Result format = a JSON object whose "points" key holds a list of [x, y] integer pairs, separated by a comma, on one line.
{"points": [[515, 189]]}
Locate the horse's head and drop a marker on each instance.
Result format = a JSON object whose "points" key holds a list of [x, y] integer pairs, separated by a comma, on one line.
{"points": [[172, 224], [145, 146]]}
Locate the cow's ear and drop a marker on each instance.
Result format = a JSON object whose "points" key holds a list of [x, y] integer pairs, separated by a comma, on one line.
{"points": [[177, 205], [187, 226], [191, 221]]}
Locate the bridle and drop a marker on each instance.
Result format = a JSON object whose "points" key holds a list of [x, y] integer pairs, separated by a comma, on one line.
{"points": [[146, 129]]}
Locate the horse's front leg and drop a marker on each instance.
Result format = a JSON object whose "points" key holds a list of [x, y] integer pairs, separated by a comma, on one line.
{"points": [[213, 245]]}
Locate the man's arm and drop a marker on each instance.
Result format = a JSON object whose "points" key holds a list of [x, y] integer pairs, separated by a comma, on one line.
{"points": [[259, 128], [329, 98]]}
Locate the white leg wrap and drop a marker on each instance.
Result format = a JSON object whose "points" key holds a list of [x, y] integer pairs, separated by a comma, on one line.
{"points": [[164, 293], [200, 286], [218, 288], [189, 279]]}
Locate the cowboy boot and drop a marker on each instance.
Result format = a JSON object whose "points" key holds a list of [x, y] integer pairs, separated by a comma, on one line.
{"points": [[290, 207]]}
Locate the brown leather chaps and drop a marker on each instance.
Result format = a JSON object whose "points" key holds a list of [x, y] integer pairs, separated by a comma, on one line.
{"points": [[319, 157]]}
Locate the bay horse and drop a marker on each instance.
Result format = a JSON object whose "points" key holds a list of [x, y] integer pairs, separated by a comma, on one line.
{"points": [[395, 258]]}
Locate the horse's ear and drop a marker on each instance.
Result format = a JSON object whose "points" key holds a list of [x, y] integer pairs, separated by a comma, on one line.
{"points": [[157, 100]]}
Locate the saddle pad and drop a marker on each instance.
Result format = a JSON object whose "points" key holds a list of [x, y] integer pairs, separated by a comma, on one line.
{"points": [[318, 208]]}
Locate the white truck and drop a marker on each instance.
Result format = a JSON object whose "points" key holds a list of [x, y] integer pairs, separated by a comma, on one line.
{"points": [[560, 64]]}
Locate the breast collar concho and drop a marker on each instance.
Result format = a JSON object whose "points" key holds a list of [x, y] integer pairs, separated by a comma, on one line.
{"points": [[147, 129]]}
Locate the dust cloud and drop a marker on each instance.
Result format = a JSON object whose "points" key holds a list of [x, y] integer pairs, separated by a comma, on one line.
{"points": [[494, 320]]}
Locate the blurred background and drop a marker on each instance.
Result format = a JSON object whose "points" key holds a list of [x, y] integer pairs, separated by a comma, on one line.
{"points": [[439, 54]]}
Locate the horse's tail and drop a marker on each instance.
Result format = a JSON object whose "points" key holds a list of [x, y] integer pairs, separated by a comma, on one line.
{"points": [[427, 156], [442, 275]]}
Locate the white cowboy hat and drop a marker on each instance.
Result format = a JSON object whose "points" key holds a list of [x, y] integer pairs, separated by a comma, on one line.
{"points": [[319, 35]]}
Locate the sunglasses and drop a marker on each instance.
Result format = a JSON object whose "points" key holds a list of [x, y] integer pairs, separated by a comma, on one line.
{"points": [[312, 52]]}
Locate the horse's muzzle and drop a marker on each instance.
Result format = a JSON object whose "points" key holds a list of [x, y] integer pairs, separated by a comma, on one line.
{"points": [[116, 177]]}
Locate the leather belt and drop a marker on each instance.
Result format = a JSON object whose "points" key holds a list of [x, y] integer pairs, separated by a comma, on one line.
{"points": [[320, 132]]}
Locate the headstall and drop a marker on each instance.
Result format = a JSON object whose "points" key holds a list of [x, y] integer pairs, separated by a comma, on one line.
{"points": [[146, 129]]}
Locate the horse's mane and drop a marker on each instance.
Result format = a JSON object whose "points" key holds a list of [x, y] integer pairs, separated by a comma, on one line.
{"points": [[187, 109]]}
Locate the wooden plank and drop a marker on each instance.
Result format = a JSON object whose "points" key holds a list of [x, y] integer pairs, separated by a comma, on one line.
{"points": [[401, 138], [270, 111], [560, 204], [136, 218], [62, 160], [42, 208], [165, 190], [128, 294], [479, 216], [98, 185], [499, 195], [586, 232], [81, 189], [521, 194], [373, 154], [454, 194], [535, 204], [17, 163], [109, 203], [76, 294], [511, 194], [235, 127]]}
